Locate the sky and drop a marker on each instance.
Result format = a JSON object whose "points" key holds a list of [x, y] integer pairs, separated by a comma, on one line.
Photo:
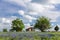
{"points": [[28, 11]]}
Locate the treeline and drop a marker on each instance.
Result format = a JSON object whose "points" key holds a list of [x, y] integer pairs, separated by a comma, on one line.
{"points": [[42, 23]]}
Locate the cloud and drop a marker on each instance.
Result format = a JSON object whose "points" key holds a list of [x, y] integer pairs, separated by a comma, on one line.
{"points": [[33, 13], [54, 1], [35, 7], [18, 2], [30, 18], [46, 1], [21, 12], [27, 25], [49, 7], [6, 22], [40, 1]]}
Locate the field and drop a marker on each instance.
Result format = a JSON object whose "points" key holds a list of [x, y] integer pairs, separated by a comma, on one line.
{"points": [[29, 35]]}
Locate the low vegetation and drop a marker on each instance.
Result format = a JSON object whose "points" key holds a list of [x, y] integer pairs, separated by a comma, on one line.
{"points": [[30, 36]]}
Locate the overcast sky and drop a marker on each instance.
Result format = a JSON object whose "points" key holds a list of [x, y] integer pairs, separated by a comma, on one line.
{"points": [[28, 11]]}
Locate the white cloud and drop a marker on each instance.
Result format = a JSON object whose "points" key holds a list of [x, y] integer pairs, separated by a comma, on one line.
{"points": [[35, 7], [27, 25], [4, 20], [33, 13], [29, 17], [53, 20], [26, 1], [51, 14], [40, 1], [8, 20], [46, 1], [18, 2], [21, 12], [54, 1], [49, 7]]}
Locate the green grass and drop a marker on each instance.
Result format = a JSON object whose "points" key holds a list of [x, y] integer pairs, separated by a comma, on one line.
{"points": [[35, 37]]}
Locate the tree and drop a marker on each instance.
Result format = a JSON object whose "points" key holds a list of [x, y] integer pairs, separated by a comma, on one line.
{"points": [[17, 25], [4, 30], [42, 23], [56, 28]]}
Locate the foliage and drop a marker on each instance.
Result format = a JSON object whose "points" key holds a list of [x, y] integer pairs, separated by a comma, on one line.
{"points": [[17, 25], [42, 23], [4, 30], [56, 28]]}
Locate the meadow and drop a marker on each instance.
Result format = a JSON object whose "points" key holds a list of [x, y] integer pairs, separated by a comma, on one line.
{"points": [[30, 36]]}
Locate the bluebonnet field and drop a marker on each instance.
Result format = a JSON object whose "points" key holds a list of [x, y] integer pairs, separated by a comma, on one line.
{"points": [[29, 36]]}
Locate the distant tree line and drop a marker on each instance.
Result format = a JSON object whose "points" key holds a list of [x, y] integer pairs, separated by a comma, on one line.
{"points": [[42, 23]]}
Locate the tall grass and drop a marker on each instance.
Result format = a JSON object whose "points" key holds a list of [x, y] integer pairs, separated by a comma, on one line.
{"points": [[31, 36], [34, 38]]}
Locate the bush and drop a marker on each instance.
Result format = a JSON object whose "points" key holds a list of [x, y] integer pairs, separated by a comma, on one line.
{"points": [[4, 30]]}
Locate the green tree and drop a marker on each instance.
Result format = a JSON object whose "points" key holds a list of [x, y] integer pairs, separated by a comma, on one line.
{"points": [[42, 23], [56, 28], [4, 30], [17, 25]]}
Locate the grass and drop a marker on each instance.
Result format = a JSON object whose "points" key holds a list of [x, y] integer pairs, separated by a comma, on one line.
{"points": [[30, 36]]}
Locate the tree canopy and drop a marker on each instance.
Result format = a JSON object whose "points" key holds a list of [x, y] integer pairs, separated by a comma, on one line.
{"points": [[5, 30], [42, 23], [17, 25], [56, 28]]}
